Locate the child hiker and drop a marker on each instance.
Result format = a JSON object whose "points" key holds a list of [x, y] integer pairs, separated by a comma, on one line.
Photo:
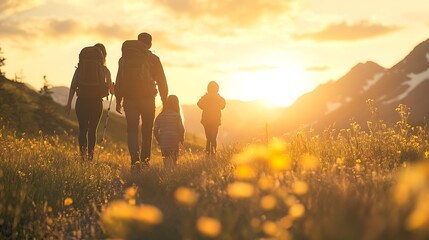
{"points": [[211, 104], [169, 131]]}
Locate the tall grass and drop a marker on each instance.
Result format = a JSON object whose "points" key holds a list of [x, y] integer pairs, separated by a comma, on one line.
{"points": [[363, 182]]}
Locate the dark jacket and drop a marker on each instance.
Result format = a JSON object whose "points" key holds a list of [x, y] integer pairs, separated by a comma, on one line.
{"points": [[211, 104]]}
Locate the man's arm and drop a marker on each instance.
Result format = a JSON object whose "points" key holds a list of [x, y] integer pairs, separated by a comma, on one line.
{"points": [[159, 77], [118, 93], [72, 91]]}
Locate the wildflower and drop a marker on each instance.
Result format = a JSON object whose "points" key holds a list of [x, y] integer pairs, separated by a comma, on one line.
{"points": [[280, 162], [265, 183], [268, 202], [300, 187], [244, 171], [296, 211], [185, 196], [130, 193], [270, 228], [209, 227], [68, 201], [240, 190], [340, 161], [148, 214]]}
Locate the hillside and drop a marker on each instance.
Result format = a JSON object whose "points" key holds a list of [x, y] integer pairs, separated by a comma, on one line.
{"points": [[27, 111]]}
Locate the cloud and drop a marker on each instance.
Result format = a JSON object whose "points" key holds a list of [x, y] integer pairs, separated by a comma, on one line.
{"points": [[257, 68], [231, 12], [52, 28], [58, 28], [182, 65], [344, 31], [8, 7], [317, 68]]}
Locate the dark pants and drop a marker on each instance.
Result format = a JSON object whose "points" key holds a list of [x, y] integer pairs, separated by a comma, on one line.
{"points": [[134, 110], [88, 113], [169, 157], [211, 135]]}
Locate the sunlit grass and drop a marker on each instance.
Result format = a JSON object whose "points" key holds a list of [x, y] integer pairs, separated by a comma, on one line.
{"points": [[339, 184]]}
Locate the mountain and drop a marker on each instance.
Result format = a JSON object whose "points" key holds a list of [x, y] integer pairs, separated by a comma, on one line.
{"points": [[337, 103]]}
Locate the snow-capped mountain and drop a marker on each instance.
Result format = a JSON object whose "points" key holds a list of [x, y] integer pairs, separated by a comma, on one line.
{"points": [[337, 103]]}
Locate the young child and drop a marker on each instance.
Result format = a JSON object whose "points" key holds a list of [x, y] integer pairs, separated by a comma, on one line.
{"points": [[169, 131], [211, 104]]}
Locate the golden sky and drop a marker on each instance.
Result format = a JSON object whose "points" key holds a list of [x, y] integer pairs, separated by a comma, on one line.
{"points": [[257, 49]]}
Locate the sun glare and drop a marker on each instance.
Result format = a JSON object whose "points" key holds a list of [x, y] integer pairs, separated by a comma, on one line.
{"points": [[279, 87]]}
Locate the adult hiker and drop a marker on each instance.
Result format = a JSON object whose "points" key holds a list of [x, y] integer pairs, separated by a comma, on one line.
{"points": [[211, 104], [92, 82], [139, 72]]}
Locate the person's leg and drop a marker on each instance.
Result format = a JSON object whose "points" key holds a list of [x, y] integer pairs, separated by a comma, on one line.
{"points": [[215, 131], [175, 156], [132, 116], [83, 119], [208, 143], [95, 111], [148, 115], [169, 158]]}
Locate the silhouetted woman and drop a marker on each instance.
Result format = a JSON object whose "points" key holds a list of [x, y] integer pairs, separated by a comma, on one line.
{"points": [[89, 104], [211, 104], [169, 131]]}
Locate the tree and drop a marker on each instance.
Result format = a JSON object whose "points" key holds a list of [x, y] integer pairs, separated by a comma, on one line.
{"points": [[2, 62]]}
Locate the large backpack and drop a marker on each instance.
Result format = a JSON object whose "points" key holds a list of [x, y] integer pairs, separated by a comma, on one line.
{"points": [[91, 78], [134, 70]]}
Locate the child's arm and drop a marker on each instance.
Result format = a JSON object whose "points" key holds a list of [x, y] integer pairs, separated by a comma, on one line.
{"points": [[181, 130], [156, 130]]}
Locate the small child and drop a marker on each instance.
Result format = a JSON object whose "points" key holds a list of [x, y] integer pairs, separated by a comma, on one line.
{"points": [[169, 131], [211, 104]]}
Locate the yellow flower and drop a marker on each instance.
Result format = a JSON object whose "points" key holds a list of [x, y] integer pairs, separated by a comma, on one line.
{"points": [[240, 190], [265, 183], [280, 162], [300, 187], [244, 171], [185, 196], [268, 202], [270, 228], [130, 193], [68, 201], [209, 227], [296, 211], [148, 214]]}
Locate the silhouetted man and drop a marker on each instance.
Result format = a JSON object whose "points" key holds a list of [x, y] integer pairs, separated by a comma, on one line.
{"points": [[139, 99]]}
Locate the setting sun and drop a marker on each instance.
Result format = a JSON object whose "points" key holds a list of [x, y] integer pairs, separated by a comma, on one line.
{"points": [[279, 86]]}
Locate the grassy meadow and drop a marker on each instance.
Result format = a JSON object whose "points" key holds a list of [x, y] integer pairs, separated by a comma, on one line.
{"points": [[363, 182]]}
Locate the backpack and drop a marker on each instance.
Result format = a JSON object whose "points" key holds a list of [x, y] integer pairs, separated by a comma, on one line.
{"points": [[134, 70], [91, 78]]}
